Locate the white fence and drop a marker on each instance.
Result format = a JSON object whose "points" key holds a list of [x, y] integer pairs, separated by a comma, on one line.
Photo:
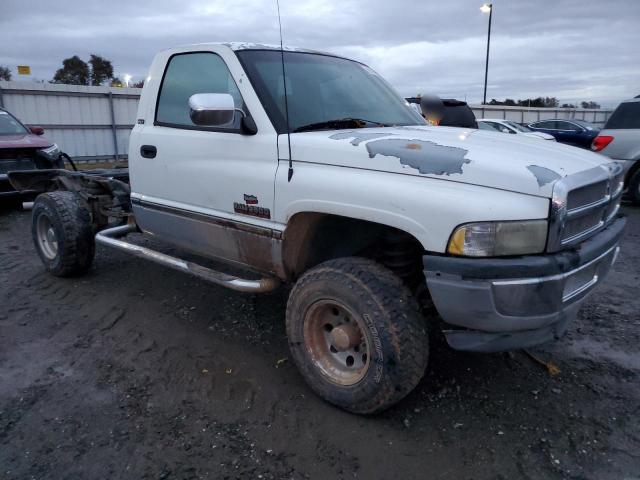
{"points": [[86, 122], [529, 115], [94, 122]]}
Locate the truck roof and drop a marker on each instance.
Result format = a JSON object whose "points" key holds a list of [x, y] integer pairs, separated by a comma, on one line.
{"points": [[238, 46], [235, 46]]}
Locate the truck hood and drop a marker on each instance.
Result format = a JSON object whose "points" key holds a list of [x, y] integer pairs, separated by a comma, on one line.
{"points": [[26, 140], [507, 162]]}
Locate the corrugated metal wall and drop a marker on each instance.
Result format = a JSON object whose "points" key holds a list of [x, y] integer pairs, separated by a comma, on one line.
{"points": [[79, 119], [529, 115], [86, 122]]}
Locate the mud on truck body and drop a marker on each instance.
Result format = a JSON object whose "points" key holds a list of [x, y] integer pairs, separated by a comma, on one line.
{"points": [[368, 213]]}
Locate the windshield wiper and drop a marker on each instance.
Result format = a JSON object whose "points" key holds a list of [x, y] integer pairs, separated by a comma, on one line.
{"points": [[340, 123]]}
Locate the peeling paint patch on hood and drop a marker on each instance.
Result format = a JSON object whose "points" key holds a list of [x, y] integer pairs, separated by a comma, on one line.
{"points": [[447, 154], [425, 156], [543, 175]]}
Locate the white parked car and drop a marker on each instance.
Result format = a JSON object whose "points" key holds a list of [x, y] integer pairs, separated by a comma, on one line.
{"points": [[507, 126], [366, 212]]}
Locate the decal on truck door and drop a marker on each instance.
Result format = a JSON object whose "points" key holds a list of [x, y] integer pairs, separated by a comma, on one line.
{"points": [[250, 199], [249, 207]]}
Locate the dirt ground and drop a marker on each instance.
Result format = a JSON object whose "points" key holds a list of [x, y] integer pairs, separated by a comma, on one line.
{"points": [[135, 371]]}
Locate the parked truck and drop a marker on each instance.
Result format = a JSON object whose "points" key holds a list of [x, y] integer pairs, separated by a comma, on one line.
{"points": [[308, 169]]}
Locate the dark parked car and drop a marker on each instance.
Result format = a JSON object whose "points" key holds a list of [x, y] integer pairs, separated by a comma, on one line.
{"points": [[456, 113], [572, 132], [23, 148]]}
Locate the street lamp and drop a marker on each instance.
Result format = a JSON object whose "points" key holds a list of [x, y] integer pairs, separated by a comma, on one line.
{"points": [[487, 8]]}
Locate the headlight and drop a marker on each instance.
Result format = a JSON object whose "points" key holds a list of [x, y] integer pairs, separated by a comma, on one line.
{"points": [[492, 239], [51, 153]]}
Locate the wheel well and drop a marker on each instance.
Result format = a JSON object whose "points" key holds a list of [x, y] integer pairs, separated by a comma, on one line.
{"points": [[312, 238]]}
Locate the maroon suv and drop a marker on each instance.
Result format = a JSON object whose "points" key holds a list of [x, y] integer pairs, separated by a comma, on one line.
{"points": [[23, 148]]}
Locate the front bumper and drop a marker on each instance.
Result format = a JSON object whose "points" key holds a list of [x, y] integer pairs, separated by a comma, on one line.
{"points": [[6, 190], [510, 303]]}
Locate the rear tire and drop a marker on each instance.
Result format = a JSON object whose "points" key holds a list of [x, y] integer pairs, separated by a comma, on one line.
{"points": [[62, 233], [634, 188], [356, 334]]}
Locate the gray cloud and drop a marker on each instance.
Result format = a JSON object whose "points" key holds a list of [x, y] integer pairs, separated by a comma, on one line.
{"points": [[573, 49]]}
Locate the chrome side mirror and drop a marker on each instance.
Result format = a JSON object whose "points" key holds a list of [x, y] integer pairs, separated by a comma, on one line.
{"points": [[211, 109]]}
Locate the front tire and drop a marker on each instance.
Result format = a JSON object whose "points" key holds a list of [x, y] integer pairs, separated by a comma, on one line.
{"points": [[62, 233], [356, 334]]}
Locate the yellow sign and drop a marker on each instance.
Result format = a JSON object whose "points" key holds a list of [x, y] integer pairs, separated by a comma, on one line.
{"points": [[24, 70]]}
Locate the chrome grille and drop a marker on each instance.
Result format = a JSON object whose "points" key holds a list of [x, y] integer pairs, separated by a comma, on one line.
{"points": [[583, 204], [587, 194], [577, 226]]}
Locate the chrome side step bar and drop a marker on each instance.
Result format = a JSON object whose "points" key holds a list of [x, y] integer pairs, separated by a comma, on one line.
{"points": [[109, 237]]}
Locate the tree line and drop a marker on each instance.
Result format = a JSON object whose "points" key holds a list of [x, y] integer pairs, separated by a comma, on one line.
{"points": [[548, 102], [99, 71], [75, 71]]}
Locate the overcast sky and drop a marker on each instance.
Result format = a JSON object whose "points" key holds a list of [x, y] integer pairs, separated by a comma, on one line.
{"points": [[572, 49]]}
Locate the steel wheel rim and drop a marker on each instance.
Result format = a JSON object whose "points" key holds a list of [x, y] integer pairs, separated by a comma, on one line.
{"points": [[47, 239], [336, 342]]}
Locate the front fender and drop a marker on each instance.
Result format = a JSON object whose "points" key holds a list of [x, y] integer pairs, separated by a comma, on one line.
{"points": [[429, 209]]}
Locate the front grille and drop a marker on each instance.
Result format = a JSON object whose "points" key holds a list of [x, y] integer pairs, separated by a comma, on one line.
{"points": [[583, 204], [588, 194], [577, 226], [12, 165]]}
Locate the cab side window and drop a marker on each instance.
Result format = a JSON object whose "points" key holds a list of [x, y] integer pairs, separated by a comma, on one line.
{"points": [[188, 74]]}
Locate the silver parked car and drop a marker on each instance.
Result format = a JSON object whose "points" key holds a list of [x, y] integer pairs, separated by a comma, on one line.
{"points": [[620, 140], [507, 126]]}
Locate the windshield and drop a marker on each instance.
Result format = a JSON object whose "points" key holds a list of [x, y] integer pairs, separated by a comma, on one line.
{"points": [[518, 127], [321, 89], [9, 125]]}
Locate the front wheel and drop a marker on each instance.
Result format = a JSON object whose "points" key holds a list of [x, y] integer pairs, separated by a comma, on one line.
{"points": [[62, 233], [356, 334]]}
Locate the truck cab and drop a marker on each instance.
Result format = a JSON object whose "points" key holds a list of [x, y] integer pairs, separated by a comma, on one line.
{"points": [[308, 169]]}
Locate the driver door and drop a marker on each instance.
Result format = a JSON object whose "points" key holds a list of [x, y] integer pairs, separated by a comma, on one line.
{"points": [[202, 187]]}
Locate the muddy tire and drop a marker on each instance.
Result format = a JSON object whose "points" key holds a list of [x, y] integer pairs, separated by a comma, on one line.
{"points": [[62, 233], [356, 334], [634, 188]]}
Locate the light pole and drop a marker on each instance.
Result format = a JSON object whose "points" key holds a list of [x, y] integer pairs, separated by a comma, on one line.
{"points": [[487, 8]]}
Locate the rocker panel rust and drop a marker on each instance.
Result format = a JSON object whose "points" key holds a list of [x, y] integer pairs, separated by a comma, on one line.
{"points": [[248, 246]]}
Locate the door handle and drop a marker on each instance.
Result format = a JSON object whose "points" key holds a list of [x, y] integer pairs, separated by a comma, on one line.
{"points": [[148, 151]]}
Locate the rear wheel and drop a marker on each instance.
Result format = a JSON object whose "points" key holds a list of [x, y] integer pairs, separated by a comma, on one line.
{"points": [[356, 334], [62, 233], [634, 188]]}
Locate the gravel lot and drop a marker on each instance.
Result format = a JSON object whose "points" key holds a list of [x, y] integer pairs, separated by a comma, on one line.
{"points": [[135, 371]]}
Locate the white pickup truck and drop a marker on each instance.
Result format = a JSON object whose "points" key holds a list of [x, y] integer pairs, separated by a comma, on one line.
{"points": [[368, 213]]}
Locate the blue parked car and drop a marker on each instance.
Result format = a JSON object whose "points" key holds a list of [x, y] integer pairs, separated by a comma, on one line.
{"points": [[572, 132]]}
